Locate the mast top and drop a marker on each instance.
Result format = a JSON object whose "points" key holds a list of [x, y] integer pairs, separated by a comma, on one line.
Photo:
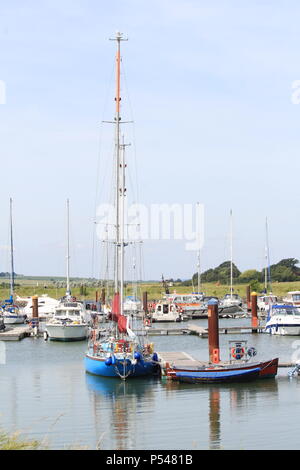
{"points": [[119, 37]]}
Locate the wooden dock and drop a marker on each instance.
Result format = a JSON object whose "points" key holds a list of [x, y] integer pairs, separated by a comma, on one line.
{"points": [[16, 333], [179, 358], [202, 332]]}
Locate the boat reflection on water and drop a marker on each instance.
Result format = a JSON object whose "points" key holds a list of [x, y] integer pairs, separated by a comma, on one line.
{"points": [[115, 405], [226, 403]]}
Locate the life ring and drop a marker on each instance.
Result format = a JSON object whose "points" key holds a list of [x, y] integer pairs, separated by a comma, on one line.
{"points": [[237, 353], [147, 322]]}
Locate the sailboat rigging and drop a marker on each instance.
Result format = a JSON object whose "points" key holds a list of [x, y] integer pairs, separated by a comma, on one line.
{"points": [[122, 352], [9, 310]]}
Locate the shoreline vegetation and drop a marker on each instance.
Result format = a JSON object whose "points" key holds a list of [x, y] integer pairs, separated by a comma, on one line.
{"points": [[285, 277], [14, 441], [87, 290]]}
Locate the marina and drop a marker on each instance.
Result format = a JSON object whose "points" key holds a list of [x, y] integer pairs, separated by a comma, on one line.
{"points": [[162, 313]]}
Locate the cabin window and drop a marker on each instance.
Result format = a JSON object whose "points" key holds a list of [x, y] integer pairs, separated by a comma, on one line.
{"points": [[165, 309]]}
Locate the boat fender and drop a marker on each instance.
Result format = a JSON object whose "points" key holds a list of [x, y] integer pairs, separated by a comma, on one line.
{"points": [[155, 357], [113, 360], [137, 356], [45, 335], [108, 361], [252, 352]]}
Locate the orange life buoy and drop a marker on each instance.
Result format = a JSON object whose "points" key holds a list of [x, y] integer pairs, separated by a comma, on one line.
{"points": [[237, 353]]}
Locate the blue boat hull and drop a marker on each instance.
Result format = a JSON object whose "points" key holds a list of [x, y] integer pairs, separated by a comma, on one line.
{"points": [[97, 366], [218, 376]]}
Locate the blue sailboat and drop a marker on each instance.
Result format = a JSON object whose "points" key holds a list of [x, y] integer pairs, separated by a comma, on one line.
{"points": [[122, 352]]}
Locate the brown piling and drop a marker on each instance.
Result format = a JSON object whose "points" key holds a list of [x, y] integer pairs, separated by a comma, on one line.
{"points": [[103, 296], [213, 331], [254, 321], [145, 302], [248, 295], [96, 296], [35, 314]]}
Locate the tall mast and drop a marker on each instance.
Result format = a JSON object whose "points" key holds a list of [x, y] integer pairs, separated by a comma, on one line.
{"points": [[68, 249], [231, 254], [118, 39], [268, 269], [199, 272], [199, 269], [12, 275]]}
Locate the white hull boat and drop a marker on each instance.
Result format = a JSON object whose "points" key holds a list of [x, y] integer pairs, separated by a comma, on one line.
{"points": [[13, 319], [63, 331], [283, 320], [46, 306], [167, 312]]}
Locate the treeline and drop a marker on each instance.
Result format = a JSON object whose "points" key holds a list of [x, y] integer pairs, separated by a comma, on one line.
{"points": [[285, 270]]}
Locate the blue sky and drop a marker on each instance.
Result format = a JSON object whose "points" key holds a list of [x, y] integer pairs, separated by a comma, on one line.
{"points": [[209, 86]]}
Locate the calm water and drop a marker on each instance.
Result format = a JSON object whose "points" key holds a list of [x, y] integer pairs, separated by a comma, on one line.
{"points": [[46, 394]]}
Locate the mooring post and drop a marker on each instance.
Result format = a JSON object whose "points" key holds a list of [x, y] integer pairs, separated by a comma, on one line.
{"points": [[248, 294], [145, 302], [103, 296], [254, 321], [213, 331], [35, 315], [96, 296]]}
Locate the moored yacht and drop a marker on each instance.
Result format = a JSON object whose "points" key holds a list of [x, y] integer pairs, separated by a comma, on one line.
{"points": [[264, 301], [10, 312], [283, 320], [292, 298], [69, 322], [167, 312]]}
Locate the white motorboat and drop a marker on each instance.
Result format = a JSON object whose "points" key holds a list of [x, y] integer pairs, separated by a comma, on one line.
{"points": [[230, 303], [69, 322], [264, 302], [132, 305], [11, 313], [46, 306], [292, 298], [283, 320], [190, 304], [167, 312]]}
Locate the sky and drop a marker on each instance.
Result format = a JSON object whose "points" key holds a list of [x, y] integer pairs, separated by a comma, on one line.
{"points": [[209, 85]]}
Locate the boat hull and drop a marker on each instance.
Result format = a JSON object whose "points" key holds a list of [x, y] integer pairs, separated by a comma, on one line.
{"points": [[283, 330], [218, 377], [13, 319], [97, 366], [67, 332], [267, 369]]}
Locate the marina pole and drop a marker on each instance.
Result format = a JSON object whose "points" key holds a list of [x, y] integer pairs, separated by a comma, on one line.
{"points": [[145, 302], [213, 331], [103, 296], [254, 311], [248, 296], [35, 315]]}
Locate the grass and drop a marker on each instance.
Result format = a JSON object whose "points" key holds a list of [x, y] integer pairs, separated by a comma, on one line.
{"points": [[14, 442], [27, 288]]}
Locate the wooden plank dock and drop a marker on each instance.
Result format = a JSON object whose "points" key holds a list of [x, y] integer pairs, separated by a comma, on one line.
{"points": [[16, 333]]}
